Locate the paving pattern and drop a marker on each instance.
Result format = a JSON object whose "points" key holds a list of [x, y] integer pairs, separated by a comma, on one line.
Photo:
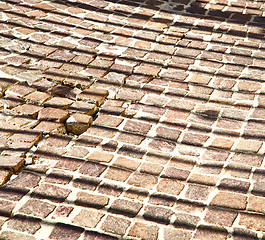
{"points": [[132, 119]]}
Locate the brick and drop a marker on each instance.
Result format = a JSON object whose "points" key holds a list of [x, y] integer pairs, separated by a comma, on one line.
{"points": [[130, 138], [59, 102], [78, 123], [25, 180], [170, 186], [222, 143], [248, 146], [88, 141], [199, 78], [115, 225], [4, 176], [208, 233], [37, 208], [28, 110], [10, 101], [175, 173], [247, 159], [142, 180], [92, 169], [10, 162], [6, 208], [37, 97], [24, 224], [83, 107], [76, 79], [256, 204], [126, 163], [220, 217], [51, 192], [62, 211], [162, 199], [161, 145], [63, 231], [168, 133], [60, 90], [93, 95], [9, 235], [180, 234], [254, 222], [108, 121], [100, 157], [17, 60], [217, 155], [117, 174], [87, 218], [229, 200], [158, 214], [130, 95], [110, 189], [125, 207], [131, 151], [186, 221], [234, 185], [242, 233], [194, 139], [150, 168], [5, 83], [43, 85], [51, 127], [56, 140], [197, 192], [181, 105], [85, 183], [91, 235], [58, 177], [137, 127], [144, 231], [91, 200], [20, 90], [53, 114], [203, 179]]}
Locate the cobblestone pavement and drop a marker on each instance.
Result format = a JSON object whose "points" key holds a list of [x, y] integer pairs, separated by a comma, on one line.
{"points": [[173, 93]]}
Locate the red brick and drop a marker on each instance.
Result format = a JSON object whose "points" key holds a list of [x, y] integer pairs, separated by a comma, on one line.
{"points": [[142, 180], [53, 114], [10, 162], [37, 208], [24, 224], [115, 225], [161, 145], [220, 217], [125, 207], [92, 169], [195, 139], [51, 127], [170, 186], [175, 173], [28, 110], [51, 192], [158, 214], [108, 121], [20, 90], [63, 231], [197, 192], [93, 95], [91, 200], [229, 200], [87, 218], [144, 231]]}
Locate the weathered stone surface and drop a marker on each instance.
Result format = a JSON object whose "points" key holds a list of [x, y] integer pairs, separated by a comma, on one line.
{"points": [[78, 123]]}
